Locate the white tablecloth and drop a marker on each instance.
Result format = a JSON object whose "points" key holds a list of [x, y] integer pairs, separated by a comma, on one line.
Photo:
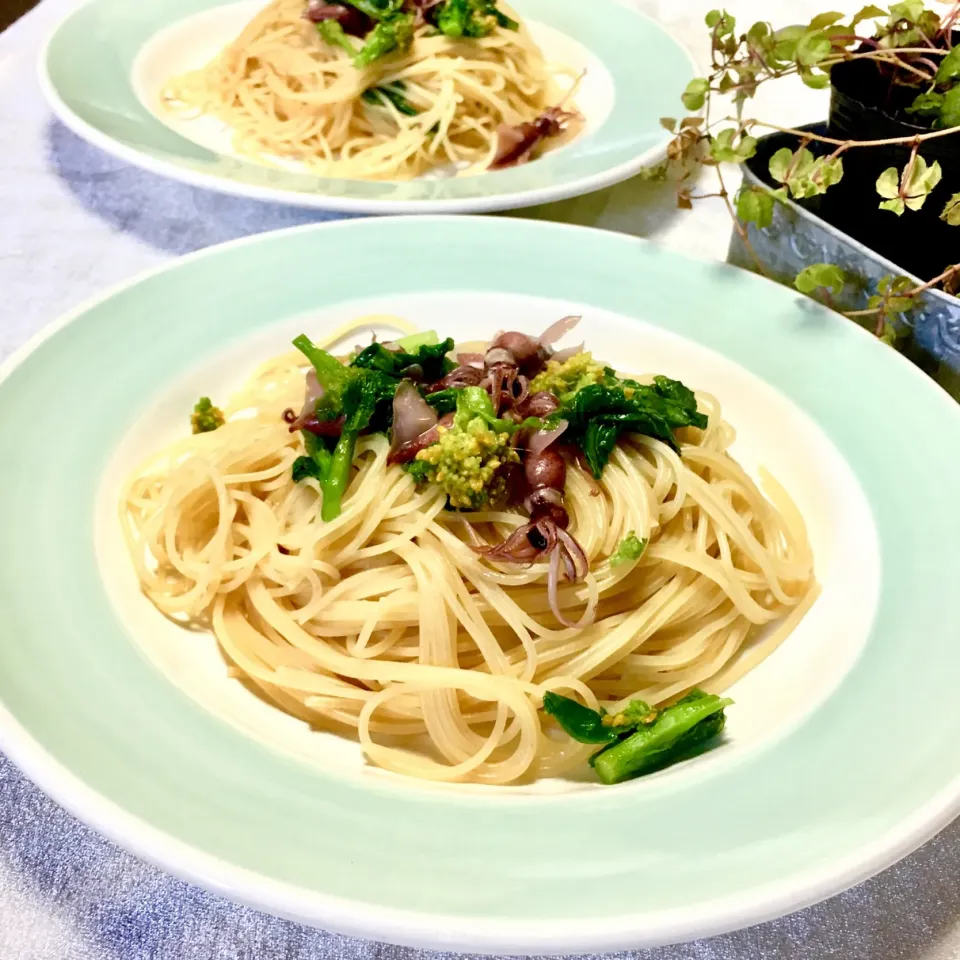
{"points": [[73, 221]]}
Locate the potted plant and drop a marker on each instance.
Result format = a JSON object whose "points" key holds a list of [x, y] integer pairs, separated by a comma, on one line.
{"points": [[884, 170]]}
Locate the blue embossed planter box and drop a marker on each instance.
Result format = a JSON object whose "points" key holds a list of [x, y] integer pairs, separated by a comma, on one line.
{"points": [[798, 237]]}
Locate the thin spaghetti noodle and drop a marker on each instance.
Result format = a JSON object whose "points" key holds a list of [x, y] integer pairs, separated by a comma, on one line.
{"points": [[286, 93], [387, 623]]}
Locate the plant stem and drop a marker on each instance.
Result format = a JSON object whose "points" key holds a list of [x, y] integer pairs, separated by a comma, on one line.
{"points": [[848, 144], [880, 55], [788, 176], [941, 278], [738, 226], [908, 171]]}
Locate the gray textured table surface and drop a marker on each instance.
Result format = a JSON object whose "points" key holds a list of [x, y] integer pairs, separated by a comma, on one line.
{"points": [[73, 221]]}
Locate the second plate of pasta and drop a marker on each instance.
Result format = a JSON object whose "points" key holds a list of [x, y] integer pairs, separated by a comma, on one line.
{"points": [[372, 105]]}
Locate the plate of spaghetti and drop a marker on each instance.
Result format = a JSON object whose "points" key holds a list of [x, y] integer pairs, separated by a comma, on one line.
{"points": [[424, 608], [372, 105]]}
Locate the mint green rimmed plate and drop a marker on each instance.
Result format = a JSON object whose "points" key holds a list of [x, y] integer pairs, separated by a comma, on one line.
{"points": [[105, 64], [842, 748]]}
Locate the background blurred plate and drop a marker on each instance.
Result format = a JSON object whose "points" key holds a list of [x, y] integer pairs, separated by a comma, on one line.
{"points": [[842, 748], [104, 65]]}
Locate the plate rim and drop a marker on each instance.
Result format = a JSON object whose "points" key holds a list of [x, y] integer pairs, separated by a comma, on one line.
{"points": [[486, 935], [345, 204]]}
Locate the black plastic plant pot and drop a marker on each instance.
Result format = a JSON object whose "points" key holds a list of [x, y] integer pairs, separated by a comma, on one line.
{"points": [[865, 106]]}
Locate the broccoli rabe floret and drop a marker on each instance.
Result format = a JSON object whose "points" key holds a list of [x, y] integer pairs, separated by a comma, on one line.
{"points": [[466, 463], [467, 458], [636, 713], [206, 416], [565, 379], [630, 548]]}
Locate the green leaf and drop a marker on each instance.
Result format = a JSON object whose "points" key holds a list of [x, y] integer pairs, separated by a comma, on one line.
{"points": [[713, 18], [669, 123], [951, 211], [760, 34], [817, 275], [929, 23], [304, 467], [786, 39], [377, 9], [828, 171], [923, 179], [903, 193], [696, 93], [655, 173], [726, 25], [927, 104], [816, 81], [755, 205], [824, 20], [578, 721], [597, 414], [949, 68], [430, 357], [949, 110], [890, 335], [888, 183], [780, 164], [722, 146], [813, 47], [911, 10], [805, 175], [392, 93], [869, 12], [894, 295], [725, 148]]}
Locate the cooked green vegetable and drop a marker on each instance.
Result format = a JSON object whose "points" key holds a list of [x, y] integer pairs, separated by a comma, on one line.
{"points": [[453, 17], [387, 36], [393, 30], [375, 9], [355, 393], [474, 403], [629, 549], [598, 414], [206, 416], [431, 357], [333, 34], [468, 458], [316, 463], [472, 18], [392, 92], [565, 379], [643, 739], [444, 401], [635, 714], [304, 467], [580, 722]]}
